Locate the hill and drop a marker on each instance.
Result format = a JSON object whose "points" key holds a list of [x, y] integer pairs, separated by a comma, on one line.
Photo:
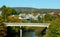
{"points": [[33, 10]]}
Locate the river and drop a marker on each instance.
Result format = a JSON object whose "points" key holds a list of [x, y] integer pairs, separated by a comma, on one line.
{"points": [[29, 34]]}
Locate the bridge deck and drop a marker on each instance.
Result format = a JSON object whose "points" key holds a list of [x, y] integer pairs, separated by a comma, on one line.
{"points": [[28, 24]]}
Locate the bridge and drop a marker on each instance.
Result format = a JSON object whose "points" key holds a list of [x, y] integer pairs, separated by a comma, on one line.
{"points": [[28, 24]]}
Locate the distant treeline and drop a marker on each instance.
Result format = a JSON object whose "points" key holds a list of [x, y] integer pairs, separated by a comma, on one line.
{"points": [[33, 10]]}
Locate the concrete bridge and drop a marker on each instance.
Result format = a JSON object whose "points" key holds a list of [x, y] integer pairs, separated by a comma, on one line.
{"points": [[28, 24]]}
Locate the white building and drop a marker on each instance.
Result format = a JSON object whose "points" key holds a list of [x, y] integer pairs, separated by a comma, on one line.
{"points": [[29, 16], [36, 17], [21, 16], [51, 13]]}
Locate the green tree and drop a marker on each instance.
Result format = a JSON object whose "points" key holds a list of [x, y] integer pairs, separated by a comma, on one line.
{"points": [[3, 10], [14, 12], [53, 30], [49, 17], [1, 19], [6, 11], [40, 19]]}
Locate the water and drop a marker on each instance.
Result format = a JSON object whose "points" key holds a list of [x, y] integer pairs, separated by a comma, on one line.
{"points": [[29, 34]]}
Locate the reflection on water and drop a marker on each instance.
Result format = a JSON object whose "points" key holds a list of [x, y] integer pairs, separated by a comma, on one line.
{"points": [[12, 33], [29, 34], [32, 33]]}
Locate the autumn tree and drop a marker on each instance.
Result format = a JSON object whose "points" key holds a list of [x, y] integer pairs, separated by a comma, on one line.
{"points": [[2, 27], [13, 19]]}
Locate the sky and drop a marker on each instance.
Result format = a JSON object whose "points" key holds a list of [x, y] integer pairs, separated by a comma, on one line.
{"points": [[54, 4]]}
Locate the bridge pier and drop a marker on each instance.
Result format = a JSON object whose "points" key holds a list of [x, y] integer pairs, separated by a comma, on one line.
{"points": [[20, 32]]}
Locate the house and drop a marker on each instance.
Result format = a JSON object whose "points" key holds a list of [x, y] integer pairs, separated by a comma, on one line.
{"points": [[22, 16], [51, 13], [36, 17], [42, 15], [29, 16]]}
